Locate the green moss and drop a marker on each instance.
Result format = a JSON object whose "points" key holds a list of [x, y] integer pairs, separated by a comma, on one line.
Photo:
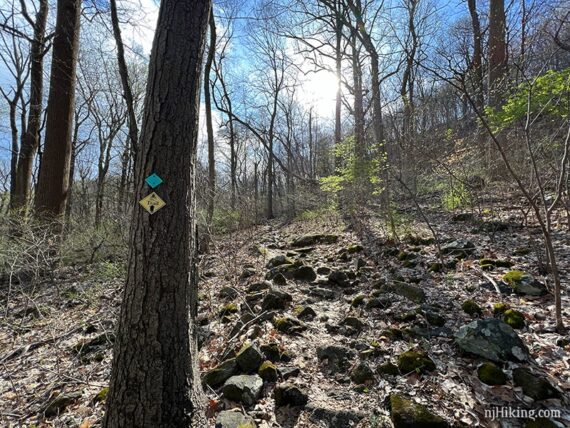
{"points": [[435, 267], [388, 369], [471, 307], [499, 308], [101, 395], [298, 309], [415, 361], [403, 256], [358, 301], [354, 248], [406, 413], [230, 308], [490, 374], [513, 277], [514, 318]]}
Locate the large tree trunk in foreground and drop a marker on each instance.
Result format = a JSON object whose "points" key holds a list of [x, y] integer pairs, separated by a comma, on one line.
{"points": [[53, 181], [31, 138], [154, 377]]}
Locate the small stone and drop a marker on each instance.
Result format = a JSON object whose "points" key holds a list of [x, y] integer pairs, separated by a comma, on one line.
{"points": [[289, 372], [288, 394], [339, 278], [221, 373], [268, 371], [336, 357], [278, 261], [490, 374], [361, 373], [249, 358], [243, 388], [388, 368], [228, 293], [471, 307], [323, 270], [247, 272], [305, 273], [412, 361], [407, 414], [274, 353], [378, 302], [259, 286], [289, 325], [279, 279], [305, 312], [276, 299], [534, 386], [353, 322], [232, 419]]}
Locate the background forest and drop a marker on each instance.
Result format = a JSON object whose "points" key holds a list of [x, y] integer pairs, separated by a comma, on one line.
{"points": [[393, 125]]}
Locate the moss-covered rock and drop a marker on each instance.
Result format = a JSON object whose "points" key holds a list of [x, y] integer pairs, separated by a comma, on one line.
{"points": [[407, 414], [435, 267], [471, 307], [273, 352], [393, 333], [361, 373], [290, 325], [495, 263], [524, 283], [409, 291], [304, 312], [228, 309], [232, 419], [434, 318], [388, 368], [404, 255], [101, 395], [410, 361], [249, 358], [313, 239], [354, 248], [221, 373], [358, 301], [268, 371], [514, 318], [500, 308], [490, 374], [278, 261], [58, 404], [533, 385], [276, 299]]}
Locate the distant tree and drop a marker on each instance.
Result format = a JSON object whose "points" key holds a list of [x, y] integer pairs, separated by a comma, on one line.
{"points": [[497, 52], [154, 377], [53, 180], [209, 125]]}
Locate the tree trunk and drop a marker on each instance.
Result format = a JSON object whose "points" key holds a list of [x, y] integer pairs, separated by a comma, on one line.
{"points": [[338, 70], [497, 52], [209, 126], [154, 377], [31, 138], [53, 181], [477, 62]]}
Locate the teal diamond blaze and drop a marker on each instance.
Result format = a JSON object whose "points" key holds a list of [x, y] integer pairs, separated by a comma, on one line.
{"points": [[153, 180]]}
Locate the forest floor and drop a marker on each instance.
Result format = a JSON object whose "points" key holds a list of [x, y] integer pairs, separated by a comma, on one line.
{"points": [[349, 306]]}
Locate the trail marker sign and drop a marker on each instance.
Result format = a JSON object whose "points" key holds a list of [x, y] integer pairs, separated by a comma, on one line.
{"points": [[153, 180], [152, 203]]}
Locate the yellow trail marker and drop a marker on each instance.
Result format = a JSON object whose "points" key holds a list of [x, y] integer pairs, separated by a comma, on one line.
{"points": [[152, 203]]}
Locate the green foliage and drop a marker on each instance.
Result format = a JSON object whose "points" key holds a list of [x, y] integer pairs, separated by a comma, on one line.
{"points": [[353, 170], [107, 271], [317, 213], [225, 220], [547, 96], [454, 196]]}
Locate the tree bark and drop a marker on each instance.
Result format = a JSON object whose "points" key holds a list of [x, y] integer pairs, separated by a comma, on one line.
{"points": [[53, 181], [477, 62], [209, 126], [154, 377], [497, 52], [30, 139]]}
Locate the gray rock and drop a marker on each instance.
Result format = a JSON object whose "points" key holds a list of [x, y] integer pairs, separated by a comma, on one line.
{"points": [[333, 417], [278, 261], [407, 414], [361, 373], [460, 248], [534, 386], [243, 388], [221, 373], [491, 339], [288, 394], [524, 283], [230, 419], [304, 273], [249, 358], [337, 357], [339, 278], [289, 372], [276, 299], [259, 286]]}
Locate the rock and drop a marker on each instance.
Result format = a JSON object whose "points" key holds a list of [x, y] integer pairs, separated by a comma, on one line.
{"points": [[275, 299], [563, 342], [289, 325], [388, 368], [435, 267], [324, 270], [491, 339], [279, 279], [495, 263], [243, 388], [411, 361], [101, 395], [463, 217], [249, 358], [59, 403], [289, 372], [514, 318], [288, 394], [459, 248], [500, 308], [407, 414], [358, 301], [323, 293], [471, 307], [337, 357], [304, 312], [361, 373], [304, 273], [278, 261], [273, 352], [333, 417], [268, 371], [97, 344], [534, 386], [308, 240], [434, 318], [231, 419], [524, 283], [259, 286], [353, 322], [228, 293], [354, 248], [490, 374], [378, 302], [247, 272], [409, 291], [339, 278], [221, 373]]}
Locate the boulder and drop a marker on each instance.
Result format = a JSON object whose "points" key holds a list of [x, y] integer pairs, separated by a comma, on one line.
{"points": [[361, 373], [276, 299], [333, 417], [243, 388], [231, 419], [221, 373], [524, 283], [407, 414], [490, 374], [249, 358], [411, 361], [533, 385], [288, 394], [491, 339]]}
